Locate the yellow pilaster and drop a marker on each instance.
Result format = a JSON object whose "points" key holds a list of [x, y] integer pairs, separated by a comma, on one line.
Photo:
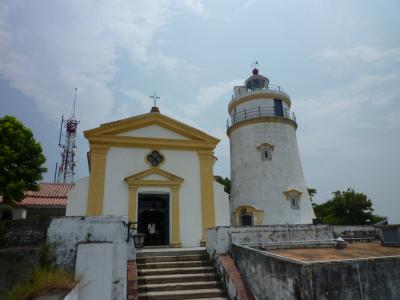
{"points": [[132, 209], [207, 192], [98, 156], [176, 240]]}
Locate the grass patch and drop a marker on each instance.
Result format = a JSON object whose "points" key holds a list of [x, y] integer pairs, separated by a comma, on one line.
{"points": [[42, 281]]}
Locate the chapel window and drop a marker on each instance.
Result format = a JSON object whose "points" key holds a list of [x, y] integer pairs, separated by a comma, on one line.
{"points": [[155, 158]]}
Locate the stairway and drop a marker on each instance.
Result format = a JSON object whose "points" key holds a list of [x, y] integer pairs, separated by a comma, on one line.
{"points": [[177, 274]]}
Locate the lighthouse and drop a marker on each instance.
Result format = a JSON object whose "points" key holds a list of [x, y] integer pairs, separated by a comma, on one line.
{"points": [[268, 185]]}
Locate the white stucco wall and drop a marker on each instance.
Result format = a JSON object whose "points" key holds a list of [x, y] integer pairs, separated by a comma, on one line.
{"points": [[17, 212], [221, 202], [77, 198], [154, 131], [123, 162], [94, 262], [262, 183], [66, 233]]}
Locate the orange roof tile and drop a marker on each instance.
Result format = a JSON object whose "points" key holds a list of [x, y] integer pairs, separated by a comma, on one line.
{"points": [[49, 194]]}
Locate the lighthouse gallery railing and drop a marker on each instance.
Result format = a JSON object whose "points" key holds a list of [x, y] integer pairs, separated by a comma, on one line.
{"points": [[259, 112]]}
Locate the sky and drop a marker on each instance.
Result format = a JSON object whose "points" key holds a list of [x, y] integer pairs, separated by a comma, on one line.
{"points": [[338, 60]]}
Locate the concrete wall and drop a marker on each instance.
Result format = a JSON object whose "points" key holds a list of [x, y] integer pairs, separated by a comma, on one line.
{"points": [[231, 278], [272, 277], [17, 212], [15, 263], [219, 239], [94, 263], [267, 277], [360, 231], [23, 232], [65, 234], [262, 183], [77, 198], [222, 210]]}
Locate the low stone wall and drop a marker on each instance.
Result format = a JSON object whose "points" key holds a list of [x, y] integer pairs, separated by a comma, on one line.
{"points": [[67, 233], [231, 278], [219, 239], [23, 232], [15, 264], [360, 231], [270, 276]]}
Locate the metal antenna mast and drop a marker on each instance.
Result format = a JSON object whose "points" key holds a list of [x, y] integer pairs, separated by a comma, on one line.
{"points": [[66, 170]]}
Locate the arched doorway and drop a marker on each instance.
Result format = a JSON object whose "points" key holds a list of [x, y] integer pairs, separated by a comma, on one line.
{"points": [[153, 218]]}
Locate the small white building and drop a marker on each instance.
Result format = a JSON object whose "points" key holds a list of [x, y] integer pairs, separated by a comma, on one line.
{"points": [[268, 184], [157, 171]]}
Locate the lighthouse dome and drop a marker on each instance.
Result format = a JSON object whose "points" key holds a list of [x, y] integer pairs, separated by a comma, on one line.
{"points": [[256, 81]]}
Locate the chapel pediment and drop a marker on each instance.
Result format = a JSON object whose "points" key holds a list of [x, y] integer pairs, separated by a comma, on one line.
{"points": [[156, 175], [149, 126]]}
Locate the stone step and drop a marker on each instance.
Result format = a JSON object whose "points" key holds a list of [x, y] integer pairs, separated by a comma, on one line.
{"points": [[182, 294], [178, 286], [168, 258], [170, 252], [214, 298], [170, 271], [176, 278], [174, 264]]}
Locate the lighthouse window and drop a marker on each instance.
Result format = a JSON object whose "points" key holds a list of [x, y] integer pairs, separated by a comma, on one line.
{"points": [[266, 154], [294, 202]]}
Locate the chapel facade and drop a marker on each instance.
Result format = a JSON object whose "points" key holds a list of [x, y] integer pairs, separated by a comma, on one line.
{"points": [[159, 172]]}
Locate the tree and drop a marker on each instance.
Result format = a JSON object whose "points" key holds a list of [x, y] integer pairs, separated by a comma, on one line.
{"points": [[347, 208], [312, 192], [226, 182], [21, 160]]}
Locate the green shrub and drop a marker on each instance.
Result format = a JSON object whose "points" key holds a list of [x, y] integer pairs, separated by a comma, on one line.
{"points": [[43, 281]]}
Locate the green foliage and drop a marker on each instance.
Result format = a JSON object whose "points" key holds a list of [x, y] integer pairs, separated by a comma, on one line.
{"points": [[312, 192], [42, 281], [46, 256], [347, 208], [226, 182], [21, 160]]}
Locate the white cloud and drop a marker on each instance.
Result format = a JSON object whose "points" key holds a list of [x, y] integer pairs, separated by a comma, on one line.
{"points": [[362, 53], [50, 47], [208, 95], [331, 120]]}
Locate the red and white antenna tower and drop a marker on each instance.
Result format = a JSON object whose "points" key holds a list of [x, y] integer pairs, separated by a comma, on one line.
{"points": [[66, 171]]}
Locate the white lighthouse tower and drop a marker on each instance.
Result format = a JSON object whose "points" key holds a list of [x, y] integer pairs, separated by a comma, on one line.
{"points": [[268, 184]]}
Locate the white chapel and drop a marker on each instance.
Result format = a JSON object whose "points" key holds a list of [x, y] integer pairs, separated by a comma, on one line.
{"points": [[159, 172]]}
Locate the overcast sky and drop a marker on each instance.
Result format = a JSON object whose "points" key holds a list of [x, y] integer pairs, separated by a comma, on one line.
{"points": [[338, 60]]}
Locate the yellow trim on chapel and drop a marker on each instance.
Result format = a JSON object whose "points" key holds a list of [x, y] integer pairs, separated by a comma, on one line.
{"points": [[117, 127], [172, 181], [98, 157], [207, 192]]}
